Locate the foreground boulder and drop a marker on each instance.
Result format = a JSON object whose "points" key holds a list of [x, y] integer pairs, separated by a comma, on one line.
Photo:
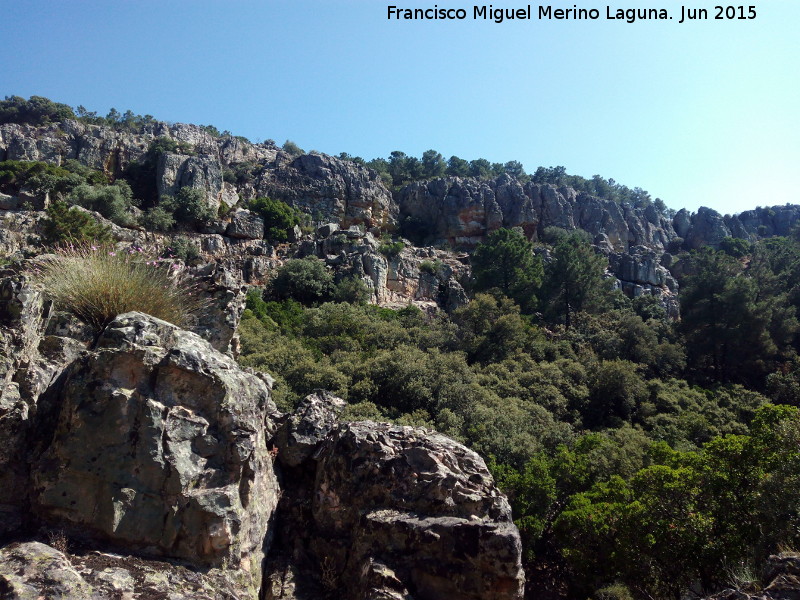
{"points": [[160, 448], [382, 511]]}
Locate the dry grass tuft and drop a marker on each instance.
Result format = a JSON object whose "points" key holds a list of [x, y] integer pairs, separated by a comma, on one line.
{"points": [[97, 283]]}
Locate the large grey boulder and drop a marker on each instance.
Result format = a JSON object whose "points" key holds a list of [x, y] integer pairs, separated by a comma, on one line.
{"points": [[161, 448], [245, 225], [176, 171], [301, 433], [708, 228], [382, 511], [641, 266], [30, 362]]}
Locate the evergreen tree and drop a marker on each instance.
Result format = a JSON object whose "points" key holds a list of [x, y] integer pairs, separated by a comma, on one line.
{"points": [[505, 261], [574, 278], [737, 324]]}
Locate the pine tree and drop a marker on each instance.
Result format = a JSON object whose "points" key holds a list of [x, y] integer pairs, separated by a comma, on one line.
{"points": [[506, 262], [574, 278]]}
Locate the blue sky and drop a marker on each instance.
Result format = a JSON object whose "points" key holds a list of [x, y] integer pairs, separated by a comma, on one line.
{"points": [[700, 113]]}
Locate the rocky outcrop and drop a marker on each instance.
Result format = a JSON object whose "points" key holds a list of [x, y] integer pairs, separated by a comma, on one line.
{"points": [[176, 171], [332, 189], [463, 211], [110, 150], [31, 361], [459, 211], [640, 272], [152, 447], [245, 225], [706, 227], [161, 447], [320, 185], [764, 222], [424, 276], [380, 511]]}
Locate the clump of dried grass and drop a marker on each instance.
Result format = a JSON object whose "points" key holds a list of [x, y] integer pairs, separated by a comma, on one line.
{"points": [[97, 283]]}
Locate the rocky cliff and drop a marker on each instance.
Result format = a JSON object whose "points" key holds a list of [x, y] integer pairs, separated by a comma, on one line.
{"points": [[326, 187], [454, 212], [461, 212]]}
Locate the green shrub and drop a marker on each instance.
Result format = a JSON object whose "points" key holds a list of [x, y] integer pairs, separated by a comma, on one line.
{"points": [[292, 149], [735, 247], [391, 249], [42, 177], [181, 248], [97, 283], [189, 205], [352, 290], [430, 267], [114, 202], [68, 224], [279, 217], [157, 219], [306, 280]]}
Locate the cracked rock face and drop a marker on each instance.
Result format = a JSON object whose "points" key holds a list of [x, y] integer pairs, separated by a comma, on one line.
{"points": [[335, 189], [462, 211], [160, 447]]}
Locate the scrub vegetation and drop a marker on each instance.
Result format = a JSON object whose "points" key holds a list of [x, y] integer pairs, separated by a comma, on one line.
{"points": [[641, 456]]}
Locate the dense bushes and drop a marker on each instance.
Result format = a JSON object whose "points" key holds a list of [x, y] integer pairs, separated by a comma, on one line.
{"points": [[114, 202], [189, 205], [41, 177], [309, 282], [689, 517], [65, 224], [279, 217], [36, 110], [624, 474]]}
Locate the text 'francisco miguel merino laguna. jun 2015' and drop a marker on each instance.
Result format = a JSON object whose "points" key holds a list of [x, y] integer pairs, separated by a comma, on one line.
{"points": [[548, 12]]}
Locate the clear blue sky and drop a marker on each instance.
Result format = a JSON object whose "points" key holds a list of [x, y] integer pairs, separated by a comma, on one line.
{"points": [[700, 113]]}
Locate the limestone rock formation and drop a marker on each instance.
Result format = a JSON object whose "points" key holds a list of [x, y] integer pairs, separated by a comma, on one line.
{"points": [[704, 228], [301, 433], [463, 211], [177, 171], [331, 188], [375, 511], [31, 360], [382, 489], [318, 184], [161, 447], [640, 272], [245, 225]]}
